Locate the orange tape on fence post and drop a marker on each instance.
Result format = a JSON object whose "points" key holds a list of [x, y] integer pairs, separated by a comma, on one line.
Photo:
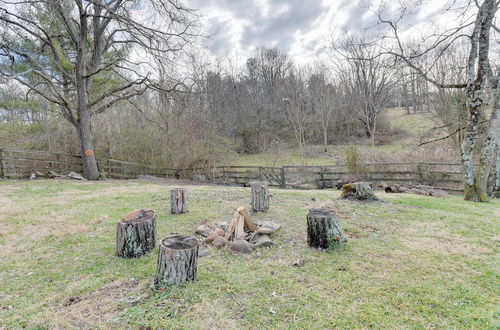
{"points": [[89, 153]]}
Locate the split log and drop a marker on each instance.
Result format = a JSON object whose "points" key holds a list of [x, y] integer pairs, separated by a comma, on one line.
{"points": [[358, 190], [177, 260], [260, 196], [248, 218], [237, 220], [178, 201], [136, 234], [323, 229]]}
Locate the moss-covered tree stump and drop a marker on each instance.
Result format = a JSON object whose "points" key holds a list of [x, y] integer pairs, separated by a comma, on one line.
{"points": [[358, 191], [260, 196], [323, 229], [177, 260], [178, 201], [136, 234]]}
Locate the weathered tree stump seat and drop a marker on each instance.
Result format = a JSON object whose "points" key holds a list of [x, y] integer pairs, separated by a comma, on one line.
{"points": [[136, 234], [323, 229], [178, 201], [358, 191], [177, 260], [260, 196]]}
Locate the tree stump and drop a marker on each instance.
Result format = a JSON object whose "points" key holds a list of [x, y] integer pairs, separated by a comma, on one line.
{"points": [[358, 190], [136, 234], [177, 260], [260, 196], [323, 229], [178, 201]]}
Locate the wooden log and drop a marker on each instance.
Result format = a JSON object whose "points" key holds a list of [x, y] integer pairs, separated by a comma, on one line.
{"points": [[177, 260], [248, 218], [395, 189], [136, 234], [323, 229], [358, 190], [178, 201], [260, 196]]}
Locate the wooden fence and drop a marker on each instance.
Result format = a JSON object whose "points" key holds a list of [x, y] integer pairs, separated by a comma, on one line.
{"points": [[21, 163]]}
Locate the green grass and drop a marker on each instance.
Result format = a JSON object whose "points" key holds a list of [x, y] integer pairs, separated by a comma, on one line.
{"points": [[401, 148], [411, 262]]}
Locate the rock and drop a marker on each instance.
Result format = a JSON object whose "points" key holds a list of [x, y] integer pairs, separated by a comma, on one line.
{"points": [[32, 176], [223, 225], [203, 253], [270, 224], [76, 176], [240, 246], [298, 263], [219, 242], [262, 241], [204, 230], [265, 230]]}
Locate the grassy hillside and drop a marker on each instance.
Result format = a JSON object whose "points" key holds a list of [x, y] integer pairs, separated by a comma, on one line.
{"points": [[402, 139], [411, 261]]}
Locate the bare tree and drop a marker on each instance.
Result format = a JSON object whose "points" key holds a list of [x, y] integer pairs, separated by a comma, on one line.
{"points": [[481, 82], [325, 103], [368, 77], [86, 55]]}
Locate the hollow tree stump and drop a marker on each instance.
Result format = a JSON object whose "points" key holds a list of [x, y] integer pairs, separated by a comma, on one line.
{"points": [[358, 190], [178, 201], [136, 234], [177, 260], [260, 196], [323, 229]]}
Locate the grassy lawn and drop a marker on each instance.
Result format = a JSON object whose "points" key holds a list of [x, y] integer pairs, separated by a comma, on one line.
{"points": [[411, 262]]}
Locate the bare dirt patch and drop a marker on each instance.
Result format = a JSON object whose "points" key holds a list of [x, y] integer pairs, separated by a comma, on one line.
{"points": [[100, 307]]}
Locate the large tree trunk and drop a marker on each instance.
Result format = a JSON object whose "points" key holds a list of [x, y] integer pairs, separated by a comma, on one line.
{"points": [[477, 81], [90, 169], [177, 260], [136, 234], [323, 229]]}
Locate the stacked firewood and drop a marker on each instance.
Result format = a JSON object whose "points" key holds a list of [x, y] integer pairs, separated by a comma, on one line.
{"points": [[241, 234]]}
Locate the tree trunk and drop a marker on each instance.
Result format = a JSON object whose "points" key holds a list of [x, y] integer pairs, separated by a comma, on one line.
{"points": [[178, 201], [90, 169], [325, 138], [136, 234], [260, 196], [177, 260], [323, 229], [358, 190]]}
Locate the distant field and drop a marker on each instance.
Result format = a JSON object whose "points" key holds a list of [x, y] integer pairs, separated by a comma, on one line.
{"points": [[411, 262], [403, 148]]}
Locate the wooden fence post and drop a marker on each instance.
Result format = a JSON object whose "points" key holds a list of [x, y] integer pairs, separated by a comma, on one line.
{"points": [[2, 170], [283, 182], [420, 173], [260, 173]]}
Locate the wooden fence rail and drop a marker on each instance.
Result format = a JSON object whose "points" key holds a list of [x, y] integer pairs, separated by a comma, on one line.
{"points": [[21, 163]]}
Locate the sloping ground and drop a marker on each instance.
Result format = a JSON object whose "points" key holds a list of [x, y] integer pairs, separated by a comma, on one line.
{"points": [[401, 145], [412, 261]]}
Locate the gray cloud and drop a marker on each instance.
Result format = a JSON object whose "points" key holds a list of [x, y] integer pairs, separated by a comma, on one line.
{"points": [[278, 27]]}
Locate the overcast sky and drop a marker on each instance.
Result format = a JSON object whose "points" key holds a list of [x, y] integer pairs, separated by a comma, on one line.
{"points": [[300, 27]]}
